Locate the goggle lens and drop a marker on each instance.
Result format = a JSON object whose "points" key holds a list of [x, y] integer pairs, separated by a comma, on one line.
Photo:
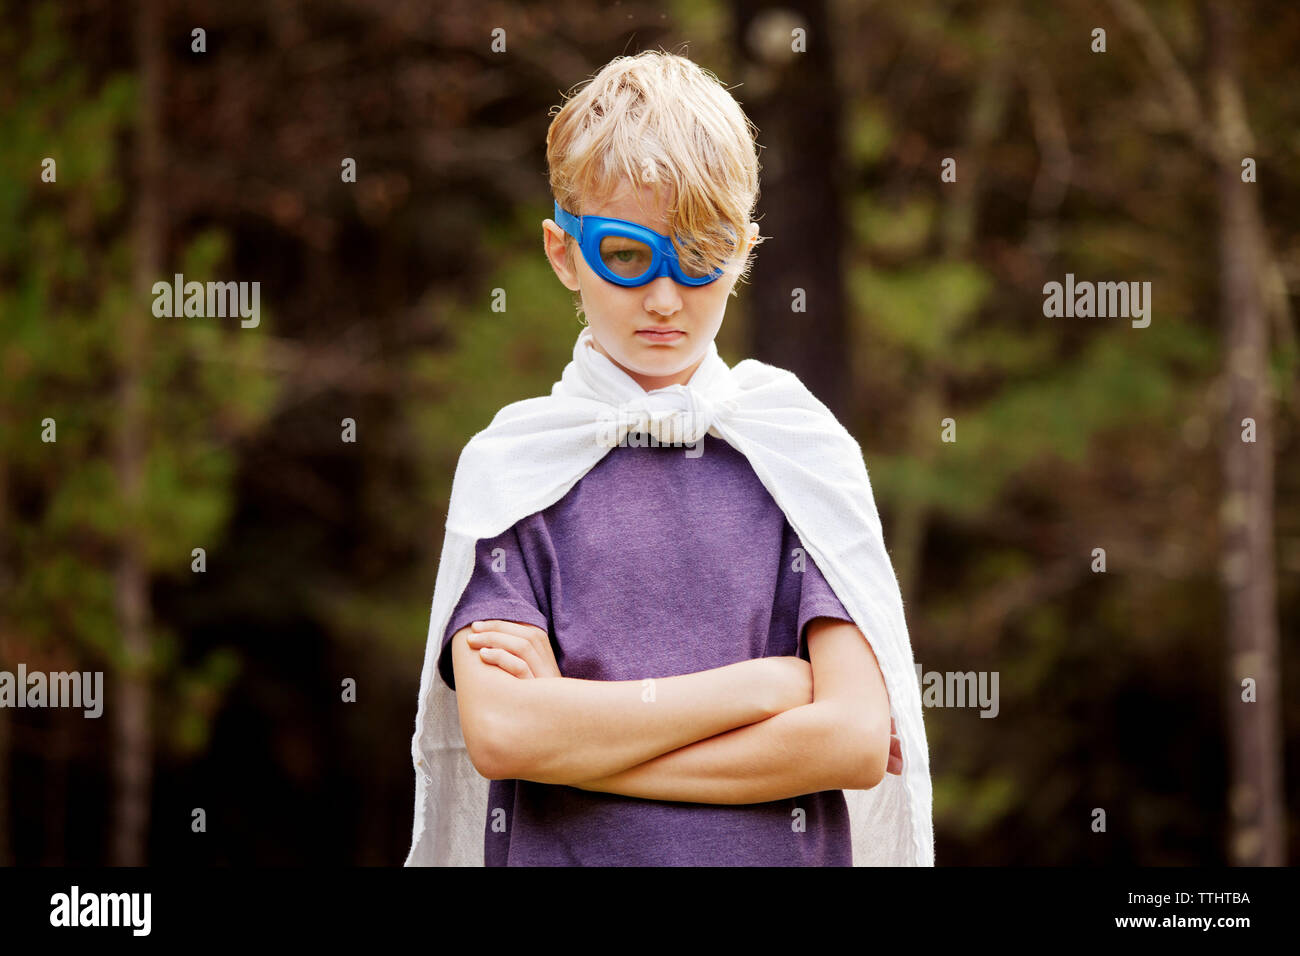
{"points": [[631, 259], [625, 257]]}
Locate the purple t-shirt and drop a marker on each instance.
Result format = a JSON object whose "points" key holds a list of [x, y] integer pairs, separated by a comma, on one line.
{"points": [[654, 564]]}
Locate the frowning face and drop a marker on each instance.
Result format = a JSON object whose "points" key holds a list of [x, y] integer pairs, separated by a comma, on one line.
{"points": [[659, 332]]}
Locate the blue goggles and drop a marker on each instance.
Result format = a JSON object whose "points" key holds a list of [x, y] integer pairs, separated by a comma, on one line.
{"points": [[627, 253]]}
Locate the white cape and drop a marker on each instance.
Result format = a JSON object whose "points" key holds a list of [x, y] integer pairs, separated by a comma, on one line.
{"points": [[534, 451]]}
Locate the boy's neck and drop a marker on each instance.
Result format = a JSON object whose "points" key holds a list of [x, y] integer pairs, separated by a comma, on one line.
{"points": [[651, 382]]}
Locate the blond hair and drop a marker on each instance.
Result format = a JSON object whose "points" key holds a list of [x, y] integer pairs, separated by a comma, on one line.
{"points": [[659, 120]]}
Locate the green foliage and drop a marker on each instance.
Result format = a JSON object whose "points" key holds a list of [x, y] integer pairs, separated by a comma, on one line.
{"points": [[1040, 416], [969, 807], [889, 231], [920, 308], [495, 358], [492, 358], [198, 695], [869, 134], [69, 247]]}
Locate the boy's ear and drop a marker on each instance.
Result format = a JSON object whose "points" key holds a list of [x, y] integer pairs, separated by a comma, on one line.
{"points": [[553, 242]]}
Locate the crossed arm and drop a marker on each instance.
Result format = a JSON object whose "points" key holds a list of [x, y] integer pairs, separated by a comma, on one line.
{"points": [[759, 730]]}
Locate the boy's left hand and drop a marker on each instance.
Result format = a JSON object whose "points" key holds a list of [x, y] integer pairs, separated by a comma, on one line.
{"points": [[895, 764], [521, 650]]}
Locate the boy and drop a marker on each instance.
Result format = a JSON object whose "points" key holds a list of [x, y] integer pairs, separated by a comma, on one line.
{"points": [[652, 669]]}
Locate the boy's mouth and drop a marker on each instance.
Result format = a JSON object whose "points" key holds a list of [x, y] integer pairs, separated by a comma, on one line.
{"points": [[661, 335]]}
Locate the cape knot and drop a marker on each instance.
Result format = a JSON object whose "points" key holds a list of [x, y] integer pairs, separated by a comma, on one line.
{"points": [[675, 415]]}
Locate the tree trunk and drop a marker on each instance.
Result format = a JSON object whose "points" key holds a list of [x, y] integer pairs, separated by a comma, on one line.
{"points": [[1257, 830], [793, 99], [132, 745]]}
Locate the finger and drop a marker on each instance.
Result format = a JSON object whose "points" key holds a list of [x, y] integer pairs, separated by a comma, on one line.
{"points": [[895, 764], [518, 646], [536, 636], [512, 665], [510, 642], [509, 627]]}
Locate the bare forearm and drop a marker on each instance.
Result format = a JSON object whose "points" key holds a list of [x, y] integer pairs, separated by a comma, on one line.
{"points": [[564, 729], [802, 750]]}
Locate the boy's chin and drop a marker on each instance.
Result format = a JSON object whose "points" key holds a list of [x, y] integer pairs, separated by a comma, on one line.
{"points": [[646, 365], [653, 361]]}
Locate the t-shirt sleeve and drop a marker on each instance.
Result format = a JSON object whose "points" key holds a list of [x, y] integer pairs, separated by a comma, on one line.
{"points": [[500, 589], [816, 599]]}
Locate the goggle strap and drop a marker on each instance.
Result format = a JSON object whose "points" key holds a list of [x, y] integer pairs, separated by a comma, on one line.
{"points": [[568, 222]]}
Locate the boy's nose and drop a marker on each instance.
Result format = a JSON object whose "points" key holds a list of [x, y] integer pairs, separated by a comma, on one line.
{"points": [[663, 291]]}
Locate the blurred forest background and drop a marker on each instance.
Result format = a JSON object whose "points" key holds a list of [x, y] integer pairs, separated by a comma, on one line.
{"points": [[1118, 690]]}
